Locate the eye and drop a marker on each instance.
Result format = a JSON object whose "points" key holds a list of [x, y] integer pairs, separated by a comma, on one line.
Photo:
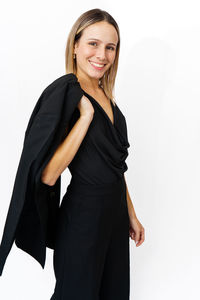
{"points": [[111, 48], [92, 43]]}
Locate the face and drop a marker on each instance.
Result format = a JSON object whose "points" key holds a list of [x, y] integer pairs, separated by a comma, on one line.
{"points": [[96, 49]]}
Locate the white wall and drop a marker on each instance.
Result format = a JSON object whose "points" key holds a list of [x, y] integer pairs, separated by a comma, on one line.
{"points": [[158, 90]]}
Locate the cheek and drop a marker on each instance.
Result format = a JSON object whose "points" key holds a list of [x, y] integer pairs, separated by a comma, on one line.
{"points": [[87, 52], [111, 57]]}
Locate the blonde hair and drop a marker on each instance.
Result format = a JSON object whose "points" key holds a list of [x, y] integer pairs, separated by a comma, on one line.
{"points": [[90, 17]]}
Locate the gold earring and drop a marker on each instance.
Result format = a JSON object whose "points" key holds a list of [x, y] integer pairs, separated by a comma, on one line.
{"points": [[74, 55]]}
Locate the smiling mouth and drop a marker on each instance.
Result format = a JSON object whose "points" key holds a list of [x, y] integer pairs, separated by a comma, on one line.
{"points": [[97, 66]]}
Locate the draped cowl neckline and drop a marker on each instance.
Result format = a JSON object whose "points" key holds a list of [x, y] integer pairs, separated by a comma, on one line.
{"points": [[112, 143], [102, 109]]}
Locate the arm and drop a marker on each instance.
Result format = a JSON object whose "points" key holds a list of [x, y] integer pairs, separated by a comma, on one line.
{"points": [[131, 210], [136, 230], [66, 151]]}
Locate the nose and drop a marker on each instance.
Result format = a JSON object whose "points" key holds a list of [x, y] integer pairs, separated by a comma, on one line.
{"points": [[101, 53]]}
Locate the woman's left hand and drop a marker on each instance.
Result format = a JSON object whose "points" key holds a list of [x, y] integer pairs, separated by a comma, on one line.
{"points": [[136, 231]]}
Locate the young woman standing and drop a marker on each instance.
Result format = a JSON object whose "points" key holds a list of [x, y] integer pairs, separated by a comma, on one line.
{"points": [[97, 217]]}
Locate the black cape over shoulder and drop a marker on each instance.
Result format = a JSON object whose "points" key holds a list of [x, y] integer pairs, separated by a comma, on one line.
{"points": [[32, 214]]}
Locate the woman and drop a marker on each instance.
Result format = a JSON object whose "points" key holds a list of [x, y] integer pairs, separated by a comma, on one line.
{"points": [[96, 217]]}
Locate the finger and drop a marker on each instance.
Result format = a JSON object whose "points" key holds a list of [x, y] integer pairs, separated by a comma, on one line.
{"points": [[141, 238], [137, 237], [132, 234]]}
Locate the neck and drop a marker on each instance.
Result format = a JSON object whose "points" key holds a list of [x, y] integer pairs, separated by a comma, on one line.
{"points": [[88, 82]]}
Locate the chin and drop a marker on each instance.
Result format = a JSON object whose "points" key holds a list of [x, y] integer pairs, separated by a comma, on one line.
{"points": [[95, 75]]}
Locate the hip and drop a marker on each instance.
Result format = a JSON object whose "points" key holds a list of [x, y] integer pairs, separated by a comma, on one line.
{"points": [[94, 207], [109, 197]]}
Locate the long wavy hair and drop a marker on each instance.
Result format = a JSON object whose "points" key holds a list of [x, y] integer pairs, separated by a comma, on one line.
{"points": [[90, 17]]}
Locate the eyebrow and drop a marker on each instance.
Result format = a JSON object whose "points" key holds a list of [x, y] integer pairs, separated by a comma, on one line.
{"points": [[100, 41]]}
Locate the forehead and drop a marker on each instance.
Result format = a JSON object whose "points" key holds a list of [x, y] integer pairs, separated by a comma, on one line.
{"points": [[103, 31]]}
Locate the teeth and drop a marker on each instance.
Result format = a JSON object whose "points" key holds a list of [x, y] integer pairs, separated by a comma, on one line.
{"points": [[97, 65]]}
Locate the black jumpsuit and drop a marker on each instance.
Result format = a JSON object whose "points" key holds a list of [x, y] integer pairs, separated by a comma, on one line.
{"points": [[91, 256]]}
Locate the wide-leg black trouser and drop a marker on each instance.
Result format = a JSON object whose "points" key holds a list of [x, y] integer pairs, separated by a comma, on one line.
{"points": [[91, 257]]}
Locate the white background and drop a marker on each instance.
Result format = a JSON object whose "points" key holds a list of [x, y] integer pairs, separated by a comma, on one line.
{"points": [[158, 90]]}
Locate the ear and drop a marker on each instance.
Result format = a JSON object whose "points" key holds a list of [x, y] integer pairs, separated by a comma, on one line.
{"points": [[76, 46]]}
